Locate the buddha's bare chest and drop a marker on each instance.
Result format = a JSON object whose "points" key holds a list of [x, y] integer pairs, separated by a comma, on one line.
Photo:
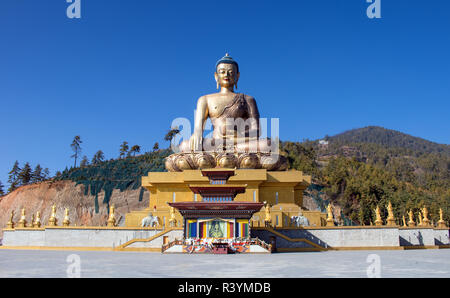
{"points": [[217, 105]]}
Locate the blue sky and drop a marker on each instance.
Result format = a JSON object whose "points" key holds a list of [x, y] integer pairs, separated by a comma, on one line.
{"points": [[126, 69]]}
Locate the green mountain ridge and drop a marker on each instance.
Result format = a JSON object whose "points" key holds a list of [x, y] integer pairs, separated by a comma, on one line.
{"points": [[388, 138]]}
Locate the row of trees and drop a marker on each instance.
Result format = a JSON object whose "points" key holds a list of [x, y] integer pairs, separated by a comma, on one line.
{"points": [[98, 158], [124, 151], [23, 176]]}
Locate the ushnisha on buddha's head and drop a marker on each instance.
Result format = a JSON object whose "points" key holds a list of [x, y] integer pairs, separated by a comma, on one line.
{"points": [[227, 73]]}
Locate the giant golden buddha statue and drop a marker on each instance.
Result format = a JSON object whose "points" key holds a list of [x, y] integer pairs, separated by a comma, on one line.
{"points": [[235, 140]]}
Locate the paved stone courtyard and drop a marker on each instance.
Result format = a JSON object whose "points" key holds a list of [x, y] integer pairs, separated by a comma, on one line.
{"points": [[411, 263]]}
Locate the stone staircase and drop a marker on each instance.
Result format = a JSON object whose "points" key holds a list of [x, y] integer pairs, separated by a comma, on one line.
{"points": [[152, 243], [309, 242]]}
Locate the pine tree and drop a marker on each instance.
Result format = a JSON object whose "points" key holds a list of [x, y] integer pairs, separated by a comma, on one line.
{"points": [[98, 157], [123, 149], [2, 192], [171, 134], [76, 147], [156, 146], [135, 149], [65, 172], [84, 162], [13, 178], [45, 174], [25, 174], [37, 175]]}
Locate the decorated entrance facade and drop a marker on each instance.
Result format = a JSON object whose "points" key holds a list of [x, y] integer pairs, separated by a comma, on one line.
{"points": [[217, 223], [226, 220], [216, 228], [217, 215]]}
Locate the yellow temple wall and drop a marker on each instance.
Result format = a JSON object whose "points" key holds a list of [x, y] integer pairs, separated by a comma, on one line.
{"points": [[260, 186]]}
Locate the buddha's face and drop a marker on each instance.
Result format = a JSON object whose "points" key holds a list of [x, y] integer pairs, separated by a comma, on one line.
{"points": [[226, 75]]}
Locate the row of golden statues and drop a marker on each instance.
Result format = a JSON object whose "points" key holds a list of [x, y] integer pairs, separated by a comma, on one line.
{"points": [[422, 218], [53, 220]]}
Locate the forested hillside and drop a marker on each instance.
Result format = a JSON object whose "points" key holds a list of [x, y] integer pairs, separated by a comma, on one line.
{"points": [[122, 173], [371, 166]]}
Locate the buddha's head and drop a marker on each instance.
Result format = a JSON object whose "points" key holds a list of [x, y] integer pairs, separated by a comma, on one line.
{"points": [[227, 73]]}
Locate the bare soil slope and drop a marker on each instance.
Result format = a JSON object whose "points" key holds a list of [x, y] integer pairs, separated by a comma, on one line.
{"points": [[65, 194]]}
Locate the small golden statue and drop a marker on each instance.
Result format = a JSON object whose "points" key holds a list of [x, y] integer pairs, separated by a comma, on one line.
{"points": [[268, 218], [441, 222], [66, 221], [404, 222], [411, 222], [172, 219], [112, 217], [378, 220], [330, 220], [10, 224], [425, 221], [420, 219], [37, 221], [22, 222], [53, 221], [32, 220], [391, 219]]}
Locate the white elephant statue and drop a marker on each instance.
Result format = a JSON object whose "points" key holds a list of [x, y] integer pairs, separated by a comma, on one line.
{"points": [[299, 220], [150, 221]]}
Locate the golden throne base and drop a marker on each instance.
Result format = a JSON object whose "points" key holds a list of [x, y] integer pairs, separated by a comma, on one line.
{"points": [[239, 160]]}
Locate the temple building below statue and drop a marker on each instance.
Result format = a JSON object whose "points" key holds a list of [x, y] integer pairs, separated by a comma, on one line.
{"points": [[282, 193]]}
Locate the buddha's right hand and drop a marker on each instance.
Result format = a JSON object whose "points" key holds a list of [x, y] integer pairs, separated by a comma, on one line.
{"points": [[196, 142]]}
